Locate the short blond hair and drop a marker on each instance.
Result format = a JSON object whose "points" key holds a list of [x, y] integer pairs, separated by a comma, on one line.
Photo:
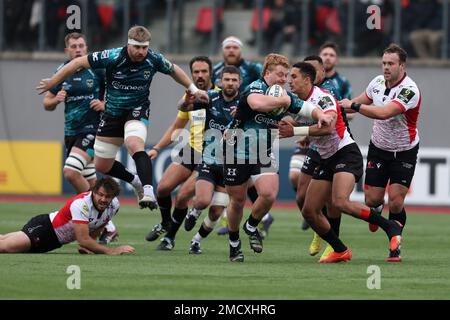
{"points": [[273, 60], [139, 33]]}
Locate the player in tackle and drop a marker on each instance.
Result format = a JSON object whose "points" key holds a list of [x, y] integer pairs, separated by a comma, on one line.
{"points": [[129, 73]]}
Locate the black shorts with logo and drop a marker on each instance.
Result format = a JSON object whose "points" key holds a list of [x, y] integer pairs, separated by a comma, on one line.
{"points": [[238, 173], [395, 167], [348, 159], [312, 161], [111, 126], [41, 233], [212, 173], [189, 158], [84, 141]]}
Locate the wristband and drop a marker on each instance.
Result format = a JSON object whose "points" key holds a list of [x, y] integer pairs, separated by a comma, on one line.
{"points": [[355, 106], [301, 131], [156, 149], [193, 89]]}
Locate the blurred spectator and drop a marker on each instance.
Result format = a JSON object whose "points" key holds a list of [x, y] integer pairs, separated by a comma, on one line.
{"points": [[16, 23], [368, 41], [283, 26], [425, 20], [328, 25]]}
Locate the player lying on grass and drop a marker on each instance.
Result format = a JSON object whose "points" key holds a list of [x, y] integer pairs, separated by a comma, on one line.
{"points": [[82, 218]]}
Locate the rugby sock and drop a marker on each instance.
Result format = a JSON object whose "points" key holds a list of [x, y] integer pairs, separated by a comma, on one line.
{"points": [[119, 171], [177, 219], [334, 241], [252, 194], [335, 225], [252, 223], [400, 217], [165, 206], [203, 232], [234, 238], [143, 167], [373, 217], [197, 238]]}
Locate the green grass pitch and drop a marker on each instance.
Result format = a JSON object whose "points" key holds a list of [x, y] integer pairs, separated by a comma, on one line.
{"points": [[283, 271]]}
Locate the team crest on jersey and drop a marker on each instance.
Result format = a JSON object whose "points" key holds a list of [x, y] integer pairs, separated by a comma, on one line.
{"points": [[405, 95], [90, 83], [146, 74], [85, 142], [136, 113]]}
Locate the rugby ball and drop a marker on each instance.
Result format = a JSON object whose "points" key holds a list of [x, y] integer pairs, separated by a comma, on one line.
{"points": [[275, 91]]}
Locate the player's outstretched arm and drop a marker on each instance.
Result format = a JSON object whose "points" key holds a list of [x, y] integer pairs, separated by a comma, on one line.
{"points": [[85, 241], [182, 78], [63, 73]]}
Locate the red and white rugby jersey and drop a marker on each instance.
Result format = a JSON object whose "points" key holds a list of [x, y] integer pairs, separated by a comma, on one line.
{"points": [[80, 209], [328, 145], [398, 133]]}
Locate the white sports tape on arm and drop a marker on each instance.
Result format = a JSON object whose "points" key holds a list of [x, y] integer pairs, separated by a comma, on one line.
{"points": [[193, 89], [301, 131], [105, 150], [75, 162], [136, 129], [307, 109], [220, 199]]}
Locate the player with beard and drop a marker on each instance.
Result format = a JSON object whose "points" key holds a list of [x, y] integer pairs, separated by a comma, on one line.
{"points": [[393, 100], [82, 218], [182, 169], [129, 73], [250, 71], [210, 188]]}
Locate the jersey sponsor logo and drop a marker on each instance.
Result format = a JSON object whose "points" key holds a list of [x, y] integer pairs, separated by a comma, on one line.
{"points": [[263, 119], [118, 86], [326, 102], [215, 125], [105, 54], [78, 98], [256, 90], [406, 95]]}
